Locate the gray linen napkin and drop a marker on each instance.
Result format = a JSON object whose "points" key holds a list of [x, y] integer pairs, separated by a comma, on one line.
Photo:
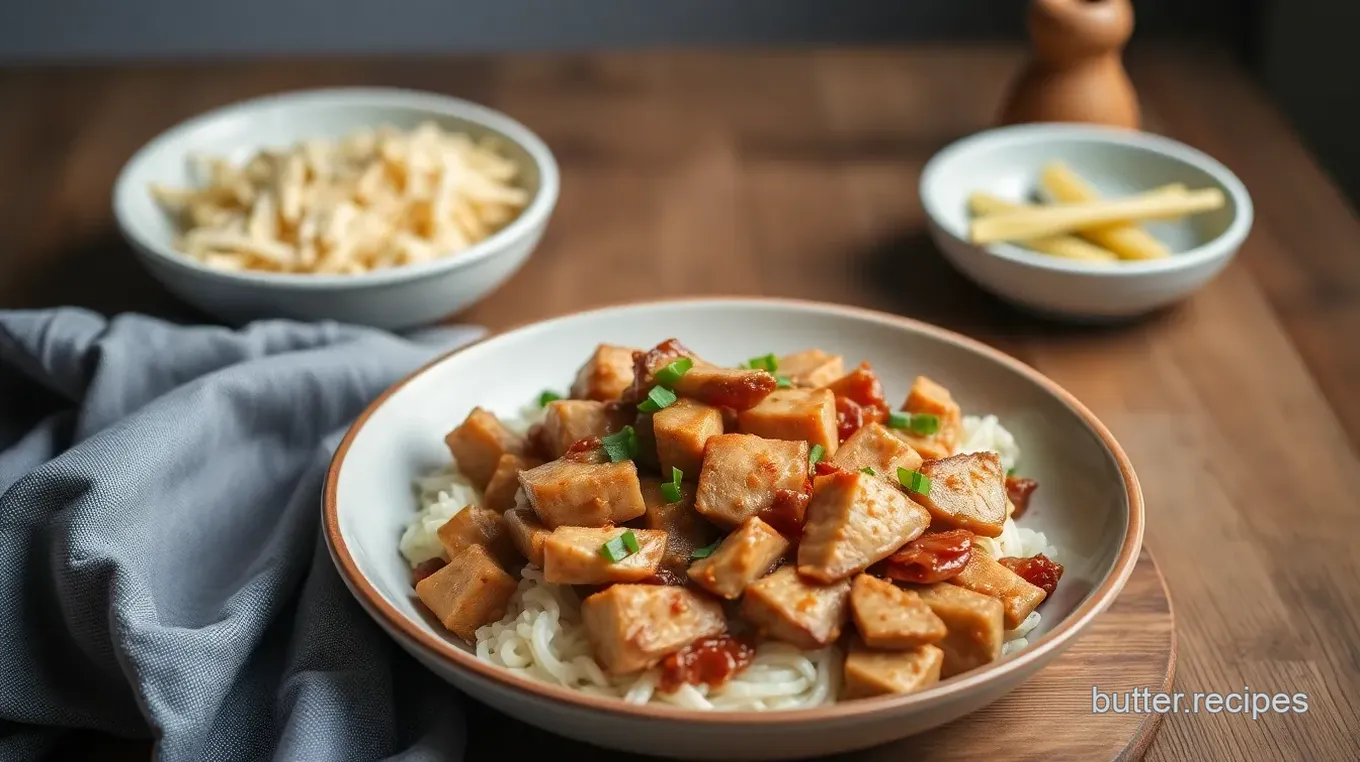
{"points": [[161, 571]]}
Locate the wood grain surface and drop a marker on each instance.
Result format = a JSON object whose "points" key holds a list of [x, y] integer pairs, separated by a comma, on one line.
{"points": [[794, 173]]}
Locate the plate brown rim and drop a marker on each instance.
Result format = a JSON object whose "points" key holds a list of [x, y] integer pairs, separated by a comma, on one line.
{"points": [[1047, 647]]}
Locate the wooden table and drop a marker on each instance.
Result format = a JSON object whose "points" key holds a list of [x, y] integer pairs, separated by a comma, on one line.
{"points": [[794, 174]]}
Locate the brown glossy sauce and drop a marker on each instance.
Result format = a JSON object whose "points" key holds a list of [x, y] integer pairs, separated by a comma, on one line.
{"points": [[537, 438], [584, 450], [930, 558], [646, 364], [788, 511], [1019, 490], [859, 400], [1038, 570], [708, 661], [426, 568], [738, 392]]}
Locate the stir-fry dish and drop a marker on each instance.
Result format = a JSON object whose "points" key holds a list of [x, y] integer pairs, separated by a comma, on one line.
{"points": [[767, 536]]}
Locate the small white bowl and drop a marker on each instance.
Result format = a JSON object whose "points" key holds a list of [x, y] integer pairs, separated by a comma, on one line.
{"points": [[1007, 162], [395, 298], [1088, 505]]}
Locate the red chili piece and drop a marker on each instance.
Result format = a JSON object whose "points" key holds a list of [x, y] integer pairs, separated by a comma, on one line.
{"points": [[708, 661], [931, 558], [1038, 570]]}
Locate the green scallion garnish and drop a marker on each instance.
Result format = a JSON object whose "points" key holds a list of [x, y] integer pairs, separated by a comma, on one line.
{"points": [[547, 396], [899, 420], [1010, 472], [925, 424], [621, 445], [671, 489], [915, 481], [783, 382], [674, 370], [620, 547], [815, 454], [705, 551], [768, 363], [657, 398], [869, 471]]}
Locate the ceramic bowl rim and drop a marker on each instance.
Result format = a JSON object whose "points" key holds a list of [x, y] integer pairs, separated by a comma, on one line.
{"points": [[1222, 245], [1045, 648], [535, 215]]}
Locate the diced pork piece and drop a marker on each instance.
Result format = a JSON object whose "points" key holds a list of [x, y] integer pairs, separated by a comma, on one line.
{"points": [[967, 492], [786, 607], [470, 591], [737, 388], [572, 556], [811, 368], [606, 375], [685, 530], [478, 444], [475, 525], [527, 533], [985, 575], [929, 397], [855, 520], [500, 491], [681, 430], [744, 556], [742, 473], [890, 618], [874, 446], [631, 627], [808, 415], [974, 624], [566, 422], [870, 673], [567, 492]]}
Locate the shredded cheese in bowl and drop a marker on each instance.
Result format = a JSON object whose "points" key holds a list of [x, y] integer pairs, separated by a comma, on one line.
{"points": [[374, 199]]}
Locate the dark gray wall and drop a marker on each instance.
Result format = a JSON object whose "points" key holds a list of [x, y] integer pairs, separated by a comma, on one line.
{"points": [[45, 30]]}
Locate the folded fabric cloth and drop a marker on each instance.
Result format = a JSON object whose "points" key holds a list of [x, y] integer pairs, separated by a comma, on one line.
{"points": [[162, 574]]}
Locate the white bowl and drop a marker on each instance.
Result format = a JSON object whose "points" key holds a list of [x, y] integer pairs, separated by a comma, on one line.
{"points": [[1088, 503], [396, 298], [1007, 162]]}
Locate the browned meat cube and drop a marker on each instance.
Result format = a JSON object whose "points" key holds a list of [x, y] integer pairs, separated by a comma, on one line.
{"points": [[811, 368], [527, 533], [745, 556], [967, 492], [572, 556], [808, 415], [685, 530], [891, 618], [568, 492], [475, 525], [742, 472], [606, 375], [926, 396], [984, 575], [874, 446], [470, 591], [786, 607], [500, 491], [631, 627], [681, 430], [478, 444], [567, 421], [737, 388], [870, 673], [854, 520], [974, 625]]}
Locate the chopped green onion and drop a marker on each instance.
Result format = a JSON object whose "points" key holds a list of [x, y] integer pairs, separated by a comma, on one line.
{"points": [[925, 424], [914, 480], [783, 382], [657, 398], [673, 371], [768, 363], [547, 396], [899, 420], [620, 547], [1010, 472], [869, 471], [815, 454], [706, 551], [621, 445], [671, 489]]}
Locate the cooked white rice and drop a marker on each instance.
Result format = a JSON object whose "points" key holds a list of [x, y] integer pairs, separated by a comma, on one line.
{"points": [[542, 635]]}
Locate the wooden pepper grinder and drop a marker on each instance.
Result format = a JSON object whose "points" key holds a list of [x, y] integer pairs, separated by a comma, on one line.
{"points": [[1076, 74]]}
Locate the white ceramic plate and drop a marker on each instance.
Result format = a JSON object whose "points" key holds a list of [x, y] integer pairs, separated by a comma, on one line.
{"points": [[395, 298], [1088, 503]]}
